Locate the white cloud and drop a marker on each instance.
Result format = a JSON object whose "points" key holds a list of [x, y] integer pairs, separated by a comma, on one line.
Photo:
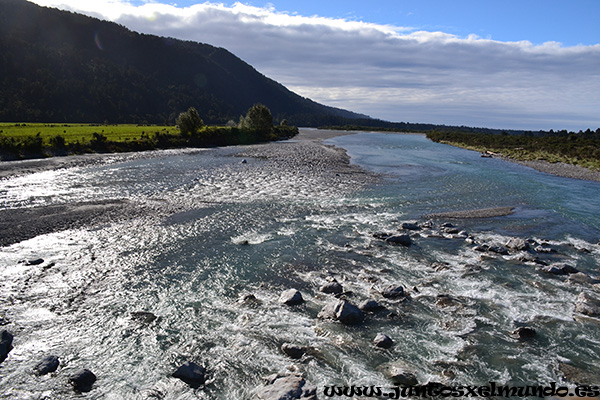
{"points": [[388, 72]]}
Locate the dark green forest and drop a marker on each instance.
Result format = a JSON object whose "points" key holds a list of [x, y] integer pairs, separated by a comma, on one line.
{"points": [[58, 66]]}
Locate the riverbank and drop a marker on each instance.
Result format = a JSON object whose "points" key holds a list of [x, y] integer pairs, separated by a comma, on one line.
{"points": [[305, 158]]}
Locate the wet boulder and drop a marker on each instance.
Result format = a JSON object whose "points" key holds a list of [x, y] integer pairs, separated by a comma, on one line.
{"points": [[289, 387], [333, 287], [393, 292], [560, 269], [383, 341], [588, 305], [6, 340], [498, 250], [370, 305], [191, 373], [34, 261], [524, 333], [82, 380], [291, 297], [517, 244], [399, 373], [47, 365], [143, 317], [381, 235], [400, 240], [410, 226], [342, 311], [293, 350]]}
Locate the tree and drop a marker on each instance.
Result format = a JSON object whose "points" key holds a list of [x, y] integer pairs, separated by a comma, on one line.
{"points": [[189, 122], [259, 119]]}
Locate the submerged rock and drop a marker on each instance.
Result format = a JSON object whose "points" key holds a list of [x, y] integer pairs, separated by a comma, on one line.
{"points": [[293, 350], [82, 380], [560, 269], [333, 287], [381, 235], [191, 373], [35, 261], [498, 250], [47, 365], [6, 339], [342, 311], [290, 387], [383, 341], [588, 305], [291, 297], [401, 240]]}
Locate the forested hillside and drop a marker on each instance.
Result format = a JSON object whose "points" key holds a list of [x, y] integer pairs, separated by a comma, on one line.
{"points": [[58, 66]]}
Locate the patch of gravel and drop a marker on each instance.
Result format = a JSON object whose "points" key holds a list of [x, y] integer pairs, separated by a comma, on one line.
{"points": [[561, 169]]}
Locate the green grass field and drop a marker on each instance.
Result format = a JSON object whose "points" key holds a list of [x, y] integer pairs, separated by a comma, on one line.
{"points": [[82, 133]]}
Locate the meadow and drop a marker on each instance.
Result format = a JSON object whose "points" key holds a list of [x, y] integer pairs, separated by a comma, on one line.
{"points": [[82, 133]]}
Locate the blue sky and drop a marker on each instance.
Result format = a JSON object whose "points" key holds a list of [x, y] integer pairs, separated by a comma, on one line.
{"points": [[508, 64], [569, 22]]}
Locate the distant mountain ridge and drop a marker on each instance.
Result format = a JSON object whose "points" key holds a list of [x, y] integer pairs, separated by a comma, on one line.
{"points": [[58, 66]]}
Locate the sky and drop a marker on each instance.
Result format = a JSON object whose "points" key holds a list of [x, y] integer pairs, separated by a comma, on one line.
{"points": [[524, 64]]}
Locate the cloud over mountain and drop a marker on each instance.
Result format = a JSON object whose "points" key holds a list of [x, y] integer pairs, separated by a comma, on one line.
{"points": [[389, 72]]}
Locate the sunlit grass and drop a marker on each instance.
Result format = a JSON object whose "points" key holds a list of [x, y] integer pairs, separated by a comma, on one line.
{"points": [[82, 133]]}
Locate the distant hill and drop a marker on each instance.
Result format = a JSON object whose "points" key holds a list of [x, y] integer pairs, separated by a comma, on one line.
{"points": [[58, 66]]}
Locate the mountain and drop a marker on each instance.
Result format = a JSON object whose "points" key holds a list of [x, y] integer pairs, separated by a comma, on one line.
{"points": [[58, 66]]}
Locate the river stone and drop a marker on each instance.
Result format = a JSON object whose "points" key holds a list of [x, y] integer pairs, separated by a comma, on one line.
{"points": [[370, 305], [191, 373], [293, 350], [402, 240], [333, 287], [47, 365], [517, 244], [291, 297], [381, 235], [342, 311], [553, 270], [498, 250], [383, 341], [393, 291], [289, 387], [399, 373], [35, 261], [587, 305], [143, 316], [410, 226], [6, 339], [82, 380], [524, 333]]}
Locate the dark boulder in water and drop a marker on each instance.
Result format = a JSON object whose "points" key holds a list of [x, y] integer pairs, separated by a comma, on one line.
{"points": [[143, 316], [401, 240], [6, 339], [524, 333], [393, 291], [47, 365], [383, 341], [291, 297], [290, 387], [342, 311], [410, 226], [191, 373], [399, 373], [333, 287], [371, 305], [498, 250], [82, 380], [381, 235], [293, 350], [35, 261]]}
